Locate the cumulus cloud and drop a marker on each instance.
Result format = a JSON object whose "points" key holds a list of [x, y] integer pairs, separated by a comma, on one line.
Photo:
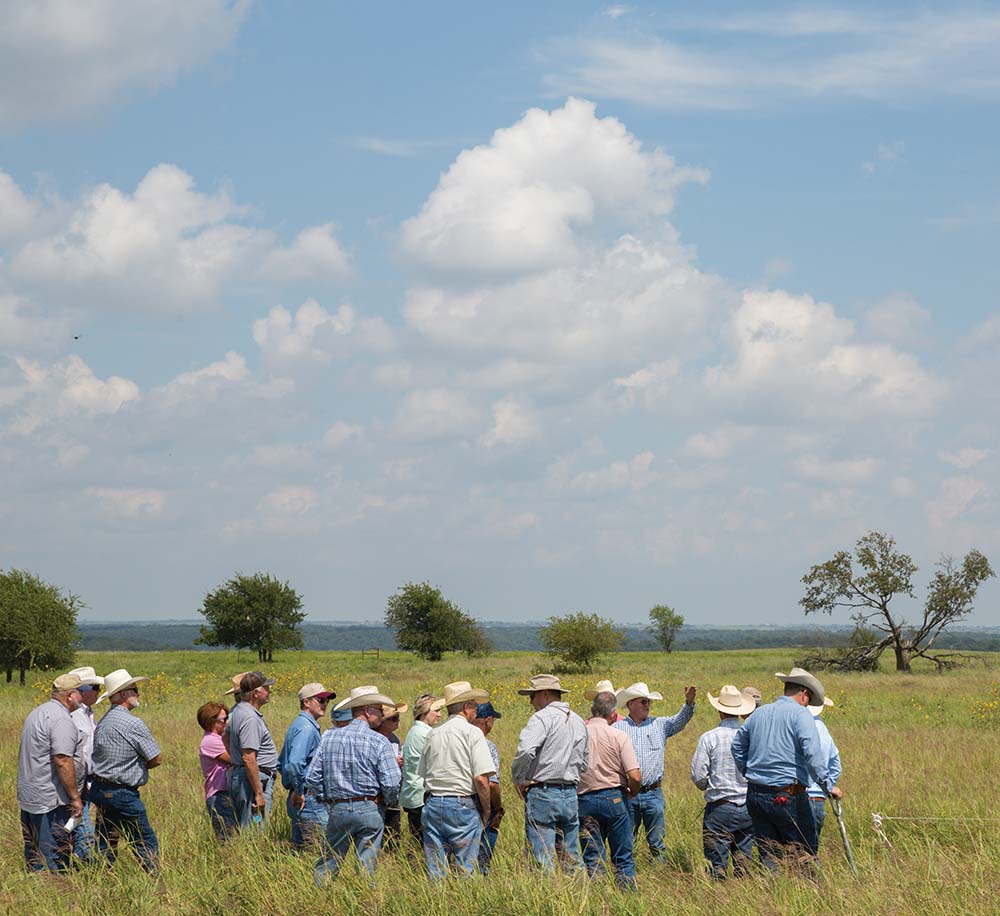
{"points": [[717, 443], [288, 501], [17, 212], [964, 458], [314, 254], [283, 336], [129, 503], [514, 423], [340, 434], [956, 497], [434, 413], [632, 475], [828, 471], [205, 382], [899, 319]]}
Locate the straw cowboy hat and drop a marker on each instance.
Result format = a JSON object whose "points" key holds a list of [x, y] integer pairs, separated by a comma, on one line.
{"points": [[364, 696], [599, 687], [236, 678], [88, 676], [542, 682], [803, 678], [732, 701], [464, 692], [394, 710], [753, 693], [818, 710], [69, 681], [638, 691], [118, 681]]}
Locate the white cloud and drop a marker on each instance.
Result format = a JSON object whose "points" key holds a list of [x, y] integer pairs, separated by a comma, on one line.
{"points": [[67, 58], [647, 386], [717, 443], [898, 319], [24, 327], [956, 497], [130, 503], [434, 413], [205, 382], [514, 423], [340, 434], [17, 212], [617, 11], [281, 456], [288, 501], [849, 472], [886, 152], [284, 337], [964, 458], [314, 254], [632, 475]]}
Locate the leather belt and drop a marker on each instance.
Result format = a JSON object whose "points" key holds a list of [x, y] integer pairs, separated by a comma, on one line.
{"points": [[439, 795], [796, 788], [551, 785], [650, 786], [356, 798], [117, 785]]}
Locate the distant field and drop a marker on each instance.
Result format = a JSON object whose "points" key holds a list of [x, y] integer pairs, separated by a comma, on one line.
{"points": [[920, 745]]}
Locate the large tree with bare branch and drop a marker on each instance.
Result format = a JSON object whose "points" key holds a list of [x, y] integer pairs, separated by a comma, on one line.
{"points": [[877, 575]]}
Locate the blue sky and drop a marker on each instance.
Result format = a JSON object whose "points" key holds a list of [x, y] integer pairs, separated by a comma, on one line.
{"points": [[560, 307]]}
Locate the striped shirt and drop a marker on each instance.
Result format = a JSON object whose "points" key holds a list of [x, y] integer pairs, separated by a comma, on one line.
{"points": [[122, 745], [713, 768], [354, 762], [650, 740]]}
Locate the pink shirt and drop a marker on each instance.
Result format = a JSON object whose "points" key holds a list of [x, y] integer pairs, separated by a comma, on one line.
{"points": [[213, 768], [611, 757]]}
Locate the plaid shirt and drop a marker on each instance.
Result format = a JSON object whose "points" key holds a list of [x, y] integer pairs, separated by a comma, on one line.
{"points": [[650, 740], [495, 754], [713, 768], [353, 762], [122, 745]]}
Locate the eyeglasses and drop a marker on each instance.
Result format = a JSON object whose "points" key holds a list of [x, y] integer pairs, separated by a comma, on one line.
{"points": [[222, 718], [86, 688]]}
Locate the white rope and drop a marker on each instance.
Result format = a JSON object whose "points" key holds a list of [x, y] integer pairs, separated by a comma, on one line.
{"points": [[878, 819]]}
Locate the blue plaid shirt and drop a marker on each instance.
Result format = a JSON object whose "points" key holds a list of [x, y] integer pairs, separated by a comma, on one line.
{"points": [[353, 762], [713, 768], [650, 740], [122, 745]]}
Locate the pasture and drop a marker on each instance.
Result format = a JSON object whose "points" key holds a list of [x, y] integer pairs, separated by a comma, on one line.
{"points": [[919, 745]]}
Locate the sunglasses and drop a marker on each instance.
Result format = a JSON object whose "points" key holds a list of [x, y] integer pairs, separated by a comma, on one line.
{"points": [[86, 688]]}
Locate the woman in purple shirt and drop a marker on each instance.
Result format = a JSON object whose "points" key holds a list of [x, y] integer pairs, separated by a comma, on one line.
{"points": [[215, 762]]}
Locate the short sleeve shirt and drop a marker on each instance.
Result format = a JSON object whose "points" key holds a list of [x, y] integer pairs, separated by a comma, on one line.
{"points": [[47, 731], [212, 768], [122, 745], [454, 755], [611, 757], [248, 731]]}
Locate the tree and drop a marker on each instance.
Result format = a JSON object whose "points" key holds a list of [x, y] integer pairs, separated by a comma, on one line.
{"points": [[665, 624], [579, 640], [429, 625], [253, 612], [884, 574], [37, 624]]}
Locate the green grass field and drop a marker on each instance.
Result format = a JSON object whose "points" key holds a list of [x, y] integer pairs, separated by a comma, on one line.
{"points": [[920, 745]]}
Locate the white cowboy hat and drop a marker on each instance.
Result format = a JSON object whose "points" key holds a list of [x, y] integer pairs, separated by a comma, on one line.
{"points": [[364, 696], [236, 678], [804, 679], [599, 687], [818, 710], [118, 681], [732, 701], [464, 692], [638, 691], [542, 682], [88, 676]]}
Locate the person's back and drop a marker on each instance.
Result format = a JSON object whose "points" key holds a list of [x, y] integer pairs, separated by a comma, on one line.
{"points": [[779, 744]]}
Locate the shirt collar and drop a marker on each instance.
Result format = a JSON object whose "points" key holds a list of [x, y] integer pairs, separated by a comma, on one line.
{"points": [[730, 723], [304, 714]]}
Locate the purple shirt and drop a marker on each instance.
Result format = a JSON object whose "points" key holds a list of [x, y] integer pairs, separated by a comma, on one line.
{"points": [[213, 768]]}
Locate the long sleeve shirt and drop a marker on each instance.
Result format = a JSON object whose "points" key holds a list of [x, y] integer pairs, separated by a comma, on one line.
{"points": [[301, 741], [779, 745], [713, 769], [411, 795], [354, 762], [553, 747], [828, 751], [650, 740]]}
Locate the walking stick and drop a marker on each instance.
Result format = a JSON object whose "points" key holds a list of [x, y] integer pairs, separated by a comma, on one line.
{"points": [[835, 803]]}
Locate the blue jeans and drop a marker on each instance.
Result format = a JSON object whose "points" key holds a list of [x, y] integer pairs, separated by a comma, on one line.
{"points": [[784, 825], [727, 829], [486, 846], [452, 829], [309, 823], [647, 811], [819, 815], [604, 815], [242, 796], [121, 813], [84, 840], [548, 810], [221, 814], [357, 823], [47, 845]]}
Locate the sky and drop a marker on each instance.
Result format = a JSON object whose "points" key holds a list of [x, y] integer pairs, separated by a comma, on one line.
{"points": [[559, 307]]}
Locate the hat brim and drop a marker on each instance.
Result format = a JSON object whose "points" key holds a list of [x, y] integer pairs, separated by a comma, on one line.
{"points": [[528, 691], [745, 708], [469, 696], [818, 694], [817, 710], [322, 695], [591, 694], [367, 699], [131, 682], [627, 696]]}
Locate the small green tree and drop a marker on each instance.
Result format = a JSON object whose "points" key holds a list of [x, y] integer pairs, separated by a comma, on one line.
{"points": [[428, 624], [253, 612], [579, 640], [665, 623], [37, 624]]}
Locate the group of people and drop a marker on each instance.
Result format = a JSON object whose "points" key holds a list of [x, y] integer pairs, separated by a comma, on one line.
{"points": [[588, 787]]}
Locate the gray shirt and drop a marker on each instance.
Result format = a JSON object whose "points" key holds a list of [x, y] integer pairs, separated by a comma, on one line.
{"points": [[85, 724], [47, 731], [553, 747], [248, 732]]}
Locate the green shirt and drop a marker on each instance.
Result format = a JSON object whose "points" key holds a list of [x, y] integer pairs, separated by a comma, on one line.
{"points": [[411, 794]]}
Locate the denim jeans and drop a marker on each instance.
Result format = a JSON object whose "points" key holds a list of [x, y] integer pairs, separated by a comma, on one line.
{"points": [[47, 845], [84, 840], [121, 813], [357, 823], [549, 809], [784, 825], [487, 844], [604, 815], [452, 829], [819, 815], [242, 796], [727, 829], [221, 814], [309, 823], [647, 811]]}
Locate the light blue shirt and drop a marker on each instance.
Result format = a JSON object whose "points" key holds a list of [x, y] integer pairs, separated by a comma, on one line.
{"points": [[828, 751], [301, 741], [779, 745]]}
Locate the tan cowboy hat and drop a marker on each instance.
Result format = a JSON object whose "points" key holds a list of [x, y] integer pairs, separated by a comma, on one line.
{"points": [[732, 701], [542, 682], [315, 690], [236, 678], [464, 692], [599, 687], [394, 710], [364, 696], [118, 681], [88, 676], [753, 693], [69, 681], [638, 691], [804, 679], [818, 710]]}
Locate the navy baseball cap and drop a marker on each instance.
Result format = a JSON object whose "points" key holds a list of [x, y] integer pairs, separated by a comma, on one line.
{"points": [[485, 710]]}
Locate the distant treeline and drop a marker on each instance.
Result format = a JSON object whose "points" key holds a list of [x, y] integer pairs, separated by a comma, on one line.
{"points": [[512, 637]]}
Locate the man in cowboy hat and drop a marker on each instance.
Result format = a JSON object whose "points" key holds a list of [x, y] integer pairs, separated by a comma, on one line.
{"points": [[828, 751], [649, 735], [252, 751], [308, 816], [726, 825], [83, 718], [456, 767], [124, 753], [603, 687], [354, 772], [778, 751], [47, 791], [552, 751], [426, 714], [754, 695], [486, 717]]}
